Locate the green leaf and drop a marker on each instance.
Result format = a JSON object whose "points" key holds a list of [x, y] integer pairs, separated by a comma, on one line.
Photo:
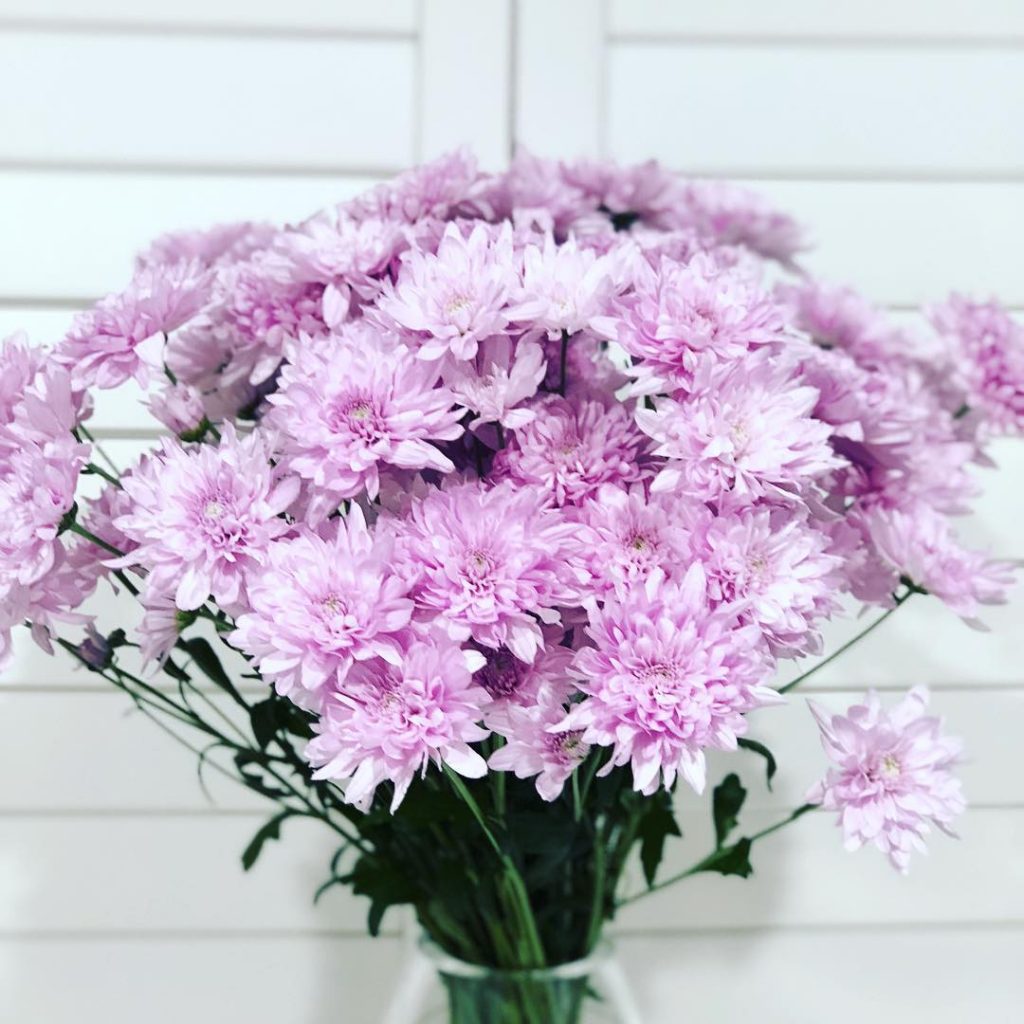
{"points": [[730, 860], [655, 827], [209, 664], [175, 671], [271, 830], [726, 803], [263, 719], [771, 766]]}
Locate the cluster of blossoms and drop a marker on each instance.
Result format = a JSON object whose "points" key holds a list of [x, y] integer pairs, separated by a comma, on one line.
{"points": [[491, 471]]}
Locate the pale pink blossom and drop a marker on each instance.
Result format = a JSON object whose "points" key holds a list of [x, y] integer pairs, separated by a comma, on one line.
{"points": [[892, 776], [667, 678], [352, 404], [391, 722], [204, 517], [319, 603]]}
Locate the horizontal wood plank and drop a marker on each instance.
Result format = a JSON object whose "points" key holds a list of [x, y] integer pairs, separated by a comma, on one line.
{"points": [[77, 232], [302, 980], [183, 874], [206, 101], [393, 16], [910, 20], [165, 873], [939, 975], [718, 109]]}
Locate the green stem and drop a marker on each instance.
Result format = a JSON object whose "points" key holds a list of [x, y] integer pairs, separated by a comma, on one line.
{"points": [[902, 599], [103, 454], [520, 897], [703, 864], [100, 471]]}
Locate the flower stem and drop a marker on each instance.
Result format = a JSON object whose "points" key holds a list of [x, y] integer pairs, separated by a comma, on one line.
{"points": [[534, 948], [703, 864], [902, 599]]}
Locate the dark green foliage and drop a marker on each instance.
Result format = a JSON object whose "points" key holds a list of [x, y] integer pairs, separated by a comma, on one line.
{"points": [[271, 830], [725, 806], [729, 860], [770, 766], [656, 825]]}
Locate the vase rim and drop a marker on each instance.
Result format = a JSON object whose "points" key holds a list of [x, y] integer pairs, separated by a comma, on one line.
{"points": [[451, 965]]}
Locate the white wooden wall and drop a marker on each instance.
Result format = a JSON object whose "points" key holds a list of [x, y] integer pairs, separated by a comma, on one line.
{"points": [[893, 129]]}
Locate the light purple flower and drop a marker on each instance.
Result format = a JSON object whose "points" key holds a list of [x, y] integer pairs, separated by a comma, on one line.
{"points": [[668, 677], [893, 774], [745, 432], [123, 335], [179, 407], [635, 535], [536, 746], [777, 570], [565, 288], [390, 722], [491, 564], [496, 383], [319, 603], [987, 347], [570, 448], [455, 299], [204, 517], [919, 543], [681, 314], [349, 404]]}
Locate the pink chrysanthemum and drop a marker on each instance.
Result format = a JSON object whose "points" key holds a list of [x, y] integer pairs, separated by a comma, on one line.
{"points": [[747, 432], [19, 364], [455, 299], [259, 314], [204, 517], [728, 214], [893, 774], [490, 563], [390, 722], [536, 746], [987, 347], [496, 383], [318, 604], [777, 569], [433, 191], [564, 288], [681, 314], [349, 404], [570, 448], [667, 678], [919, 543], [123, 335], [635, 534]]}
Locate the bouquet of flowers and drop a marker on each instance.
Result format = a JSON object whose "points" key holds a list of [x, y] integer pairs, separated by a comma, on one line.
{"points": [[515, 490]]}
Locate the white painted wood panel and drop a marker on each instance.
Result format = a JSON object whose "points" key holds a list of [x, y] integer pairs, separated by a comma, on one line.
{"points": [[390, 16], [238, 979], [92, 751], [723, 110], [165, 873], [182, 873], [78, 232], [208, 101], [756, 21], [465, 83], [940, 976]]}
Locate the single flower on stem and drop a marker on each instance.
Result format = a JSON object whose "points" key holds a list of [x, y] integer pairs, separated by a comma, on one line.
{"points": [[892, 774]]}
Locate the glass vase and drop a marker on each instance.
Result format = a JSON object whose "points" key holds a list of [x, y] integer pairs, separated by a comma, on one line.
{"points": [[440, 989]]}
